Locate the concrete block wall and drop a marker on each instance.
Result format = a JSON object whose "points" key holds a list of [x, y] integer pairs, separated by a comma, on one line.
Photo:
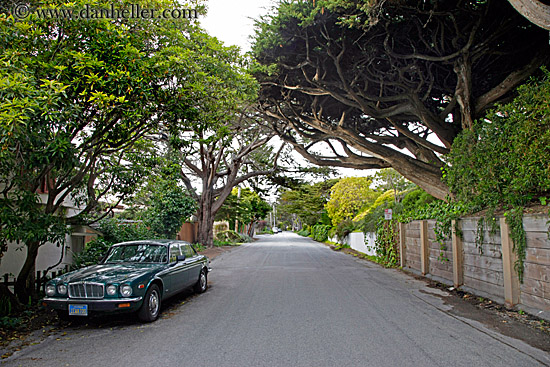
{"points": [[487, 270]]}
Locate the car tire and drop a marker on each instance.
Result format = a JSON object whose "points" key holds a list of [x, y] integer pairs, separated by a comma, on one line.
{"points": [[202, 282], [150, 309]]}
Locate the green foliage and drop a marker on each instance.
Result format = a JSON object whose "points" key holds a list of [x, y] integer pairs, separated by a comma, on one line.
{"points": [[386, 244], [230, 238], [416, 199], [10, 323], [94, 251], [389, 179], [514, 218], [348, 197], [75, 96], [319, 232], [305, 231], [503, 162], [115, 231], [199, 247], [248, 208], [170, 207], [5, 306], [307, 202], [344, 228]]}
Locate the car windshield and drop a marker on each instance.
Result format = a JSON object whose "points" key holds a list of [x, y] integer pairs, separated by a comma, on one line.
{"points": [[139, 253]]}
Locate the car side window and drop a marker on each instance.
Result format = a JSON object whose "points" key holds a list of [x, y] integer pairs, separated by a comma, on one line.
{"points": [[187, 251], [174, 252]]}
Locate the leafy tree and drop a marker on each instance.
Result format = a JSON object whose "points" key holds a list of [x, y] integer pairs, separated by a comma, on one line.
{"points": [[377, 82], [75, 96], [247, 208], [307, 201], [220, 143], [170, 207], [390, 179], [348, 197]]}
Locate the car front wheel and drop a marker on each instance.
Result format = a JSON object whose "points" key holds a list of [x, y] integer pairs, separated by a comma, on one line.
{"points": [[150, 308], [200, 286]]}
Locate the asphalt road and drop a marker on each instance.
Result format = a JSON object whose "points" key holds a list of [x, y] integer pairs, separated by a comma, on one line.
{"points": [[287, 301]]}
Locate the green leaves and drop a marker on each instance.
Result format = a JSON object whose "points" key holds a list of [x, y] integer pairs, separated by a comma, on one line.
{"points": [[504, 161], [348, 197]]}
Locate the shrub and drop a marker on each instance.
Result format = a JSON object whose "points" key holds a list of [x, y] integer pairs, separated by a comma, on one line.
{"points": [[386, 246], [228, 236], [320, 232], [115, 231], [343, 229], [94, 251]]}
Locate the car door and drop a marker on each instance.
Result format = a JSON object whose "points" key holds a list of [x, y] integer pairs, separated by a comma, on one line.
{"points": [[177, 270], [192, 262]]}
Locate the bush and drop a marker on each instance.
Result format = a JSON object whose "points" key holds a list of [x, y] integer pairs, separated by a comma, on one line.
{"points": [[228, 236], [94, 251], [505, 159], [386, 245], [343, 229], [115, 231], [320, 232]]}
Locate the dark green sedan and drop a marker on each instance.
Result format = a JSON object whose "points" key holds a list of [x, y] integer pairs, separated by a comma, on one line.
{"points": [[133, 276]]}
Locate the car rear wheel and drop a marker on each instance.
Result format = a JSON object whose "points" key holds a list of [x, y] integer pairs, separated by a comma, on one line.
{"points": [[202, 283], [150, 309]]}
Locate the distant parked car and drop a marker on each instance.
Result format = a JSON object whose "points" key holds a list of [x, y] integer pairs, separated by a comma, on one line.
{"points": [[133, 276], [275, 230]]}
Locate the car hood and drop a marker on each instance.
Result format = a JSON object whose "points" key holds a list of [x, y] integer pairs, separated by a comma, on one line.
{"points": [[111, 273]]}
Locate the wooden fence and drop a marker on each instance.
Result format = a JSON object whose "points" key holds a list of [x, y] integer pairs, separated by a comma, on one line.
{"points": [[40, 280], [488, 269]]}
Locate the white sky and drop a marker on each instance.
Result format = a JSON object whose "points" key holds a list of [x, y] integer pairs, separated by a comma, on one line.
{"points": [[232, 20]]}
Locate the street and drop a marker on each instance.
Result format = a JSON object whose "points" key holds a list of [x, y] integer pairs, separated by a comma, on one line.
{"points": [[286, 300]]}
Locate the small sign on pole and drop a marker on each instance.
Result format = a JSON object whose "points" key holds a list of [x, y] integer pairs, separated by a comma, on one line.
{"points": [[388, 214]]}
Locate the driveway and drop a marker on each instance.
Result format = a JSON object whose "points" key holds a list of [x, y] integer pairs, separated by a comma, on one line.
{"points": [[285, 300]]}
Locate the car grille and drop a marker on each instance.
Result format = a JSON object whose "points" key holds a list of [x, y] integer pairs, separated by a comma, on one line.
{"points": [[86, 290]]}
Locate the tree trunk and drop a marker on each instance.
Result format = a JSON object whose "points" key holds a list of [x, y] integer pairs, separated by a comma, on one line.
{"points": [[24, 285], [5, 293], [534, 10], [206, 219], [427, 177]]}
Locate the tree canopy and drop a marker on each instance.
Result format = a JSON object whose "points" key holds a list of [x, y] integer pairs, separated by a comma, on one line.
{"points": [[348, 196], [75, 97], [389, 83]]}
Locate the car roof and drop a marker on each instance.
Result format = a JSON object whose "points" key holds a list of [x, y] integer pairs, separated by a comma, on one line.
{"points": [[161, 242]]}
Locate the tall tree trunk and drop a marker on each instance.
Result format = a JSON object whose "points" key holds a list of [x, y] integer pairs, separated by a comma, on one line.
{"points": [[24, 286], [206, 219], [534, 10]]}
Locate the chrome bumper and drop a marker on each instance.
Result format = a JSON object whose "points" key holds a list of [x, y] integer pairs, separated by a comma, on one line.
{"points": [[85, 300]]}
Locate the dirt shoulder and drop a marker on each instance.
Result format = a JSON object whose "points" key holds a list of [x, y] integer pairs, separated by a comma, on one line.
{"points": [[213, 252]]}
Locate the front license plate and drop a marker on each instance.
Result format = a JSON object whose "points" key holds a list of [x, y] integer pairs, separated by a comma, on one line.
{"points": [[78, 310]]}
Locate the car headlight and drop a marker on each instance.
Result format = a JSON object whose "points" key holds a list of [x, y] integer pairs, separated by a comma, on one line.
{"points": [[50, 290], [126, 290], [111, 290], [62, 289]]}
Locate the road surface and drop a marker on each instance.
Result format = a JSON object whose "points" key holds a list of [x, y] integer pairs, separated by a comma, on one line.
{"points": [[287, 301]]}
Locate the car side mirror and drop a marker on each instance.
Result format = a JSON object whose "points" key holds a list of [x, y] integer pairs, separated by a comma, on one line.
{"points": [[180, 258]]}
